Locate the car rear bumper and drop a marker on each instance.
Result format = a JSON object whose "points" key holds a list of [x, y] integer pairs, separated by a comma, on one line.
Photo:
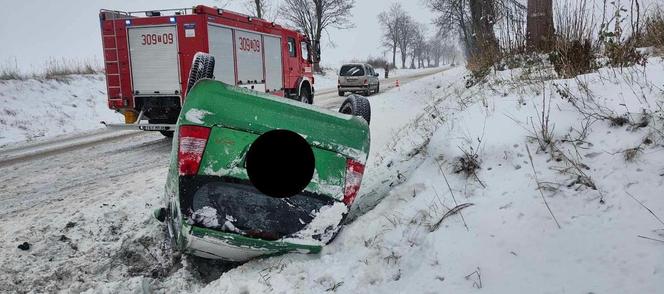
{"points": [[353, 88], [212, 244]]}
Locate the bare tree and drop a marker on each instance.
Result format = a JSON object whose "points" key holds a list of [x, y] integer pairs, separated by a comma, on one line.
{"points": [[540, 25], [256, 7], [453, 16], [406, 30], [314, 17], [435, 49], [418, 45], [265, 9], [391, 22], [474, 21], [483, 17]]}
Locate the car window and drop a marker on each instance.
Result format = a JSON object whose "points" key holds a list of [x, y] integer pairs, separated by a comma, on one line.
{"points": [[351, 71], [305, 50], [291, 47]]}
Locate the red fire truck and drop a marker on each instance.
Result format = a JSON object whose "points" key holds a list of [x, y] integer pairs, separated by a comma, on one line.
{"points": [[148, 55]]}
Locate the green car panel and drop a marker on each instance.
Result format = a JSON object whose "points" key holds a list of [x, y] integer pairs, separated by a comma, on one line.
{"points": [[227, 148], [236, 117], [212, 103]]}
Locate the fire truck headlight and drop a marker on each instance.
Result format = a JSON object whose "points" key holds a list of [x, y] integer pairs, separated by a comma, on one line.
{"points": [[172, 19], [128, 22]]}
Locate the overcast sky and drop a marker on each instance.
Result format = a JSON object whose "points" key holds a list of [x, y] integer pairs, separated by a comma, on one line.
{"points": [[34, 31]]}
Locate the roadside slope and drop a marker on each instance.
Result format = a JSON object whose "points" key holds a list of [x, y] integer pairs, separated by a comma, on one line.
{"points": [[507, 241], [35, 109], [87, 212]]}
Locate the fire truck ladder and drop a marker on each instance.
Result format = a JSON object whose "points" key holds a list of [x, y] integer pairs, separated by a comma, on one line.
{"points": [[113, 66]]}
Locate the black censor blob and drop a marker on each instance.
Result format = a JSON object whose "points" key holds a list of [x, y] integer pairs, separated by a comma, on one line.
{"points": [[280, 163]]}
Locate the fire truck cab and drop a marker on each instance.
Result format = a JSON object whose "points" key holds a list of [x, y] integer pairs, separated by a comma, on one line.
{"points": [[148, 55]]}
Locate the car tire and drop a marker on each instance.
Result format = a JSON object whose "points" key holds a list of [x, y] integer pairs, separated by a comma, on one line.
{"points": [[357, 105], [367, 92], [342, 93], [202, 67]]}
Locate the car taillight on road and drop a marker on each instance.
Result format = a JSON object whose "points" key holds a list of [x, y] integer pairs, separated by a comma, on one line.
{"points": [[354, 172], [192, 143], [366, 81]]}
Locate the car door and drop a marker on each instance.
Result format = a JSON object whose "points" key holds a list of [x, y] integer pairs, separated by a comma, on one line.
{"points": [[372, 76]]}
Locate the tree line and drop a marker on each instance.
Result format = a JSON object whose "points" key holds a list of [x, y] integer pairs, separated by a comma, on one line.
{"points": [[403, 34], [483, 31], [312, 17]]}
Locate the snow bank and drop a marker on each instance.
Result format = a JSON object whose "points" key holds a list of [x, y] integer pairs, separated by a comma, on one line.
{"points": [[507, 242], [36, 109], [406, 237]]}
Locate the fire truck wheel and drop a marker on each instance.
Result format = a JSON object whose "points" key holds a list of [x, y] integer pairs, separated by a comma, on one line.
{"points": [[305, 96], [357, 105], [201, 68]]}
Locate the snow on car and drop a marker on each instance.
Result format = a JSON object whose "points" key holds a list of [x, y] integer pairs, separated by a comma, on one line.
{"points": [[253, 175]]}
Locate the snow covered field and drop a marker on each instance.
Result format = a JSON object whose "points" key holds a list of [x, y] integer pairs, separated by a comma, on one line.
{"points": [[37, 109], [588, 229]]}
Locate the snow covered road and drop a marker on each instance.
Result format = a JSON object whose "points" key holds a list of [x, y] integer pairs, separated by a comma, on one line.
{"points": [[74, 209], [83, 203], [329, 98]]}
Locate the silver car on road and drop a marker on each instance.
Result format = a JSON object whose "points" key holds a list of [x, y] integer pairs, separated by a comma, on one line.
{"points": [[358, 78]]}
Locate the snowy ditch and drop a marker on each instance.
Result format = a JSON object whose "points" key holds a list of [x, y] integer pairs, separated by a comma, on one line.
{"points": [[420, 227], [110, 241]]}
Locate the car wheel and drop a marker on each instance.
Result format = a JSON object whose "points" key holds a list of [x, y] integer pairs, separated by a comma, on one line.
{"points": [[367, 92], [201, 68], [342, 93], [305, 96], [357, 105]]}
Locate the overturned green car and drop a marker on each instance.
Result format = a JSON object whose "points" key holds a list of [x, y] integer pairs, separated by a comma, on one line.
{"points": [[255, 175]]}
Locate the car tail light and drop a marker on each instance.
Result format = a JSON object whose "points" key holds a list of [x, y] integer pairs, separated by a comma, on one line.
{"points": [[192, 143], [366, 81], [354, 172]]}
